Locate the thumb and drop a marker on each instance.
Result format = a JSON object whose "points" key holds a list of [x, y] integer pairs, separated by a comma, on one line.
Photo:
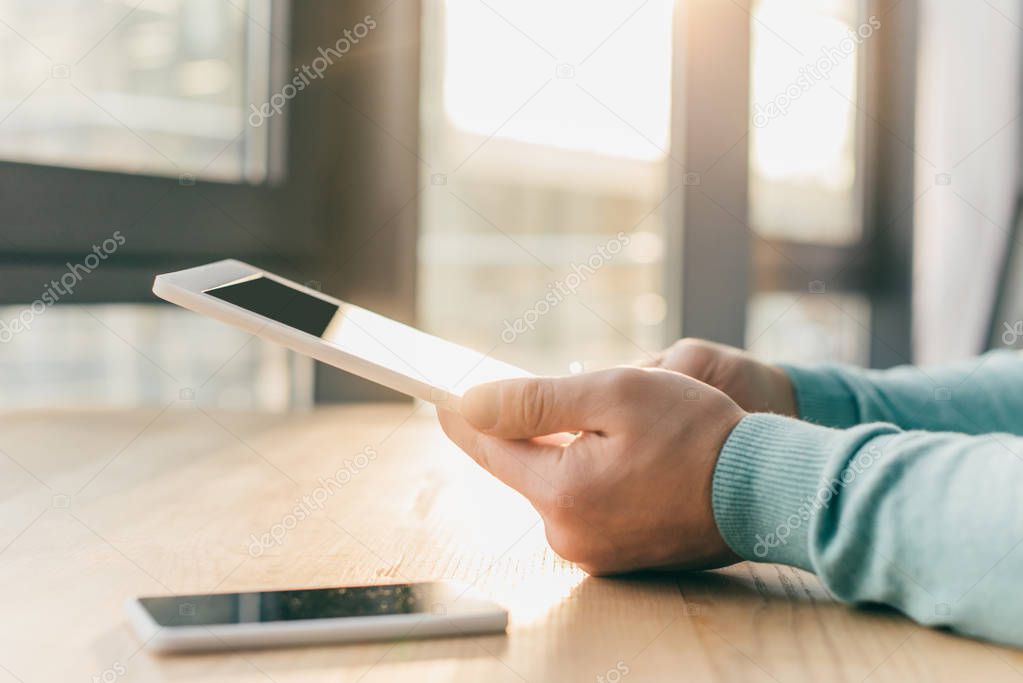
{"points": [[538, 406]]}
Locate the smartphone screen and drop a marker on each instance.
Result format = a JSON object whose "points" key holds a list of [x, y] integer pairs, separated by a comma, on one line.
{"points": [[291, 605], [379, 340]]}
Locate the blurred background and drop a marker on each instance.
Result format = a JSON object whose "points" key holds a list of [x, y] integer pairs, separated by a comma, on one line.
{"points": [[816, 180]]}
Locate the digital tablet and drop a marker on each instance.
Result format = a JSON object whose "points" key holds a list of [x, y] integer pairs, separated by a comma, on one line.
{"points": [[348, 337]]}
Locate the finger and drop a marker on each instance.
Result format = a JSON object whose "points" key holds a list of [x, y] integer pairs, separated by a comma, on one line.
{"points": [[696, 357], [539, 406], [649, 361], [526, 466]]}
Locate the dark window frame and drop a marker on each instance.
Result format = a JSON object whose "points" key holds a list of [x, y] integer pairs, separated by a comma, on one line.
{"points": [[713, 225]]}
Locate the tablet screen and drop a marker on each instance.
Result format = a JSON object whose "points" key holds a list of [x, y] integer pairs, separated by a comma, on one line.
{"points": [[279, 302], [367, 335]]}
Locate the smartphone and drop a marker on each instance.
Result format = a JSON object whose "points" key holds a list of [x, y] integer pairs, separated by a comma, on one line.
{"points": [[189, 623], [337, 333]]}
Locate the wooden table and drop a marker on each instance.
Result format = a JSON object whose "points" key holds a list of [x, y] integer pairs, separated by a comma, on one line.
{"points": [[98, 506]]}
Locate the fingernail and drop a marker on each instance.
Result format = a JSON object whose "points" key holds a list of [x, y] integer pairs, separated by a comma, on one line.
{"points": [[479, 406]]}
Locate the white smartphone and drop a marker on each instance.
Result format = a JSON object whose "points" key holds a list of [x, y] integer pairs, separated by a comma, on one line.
{"points": [[191, 623], [340, 334]]}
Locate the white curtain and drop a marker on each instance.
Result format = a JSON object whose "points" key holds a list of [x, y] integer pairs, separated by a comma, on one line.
{"points": [[967, 169]]}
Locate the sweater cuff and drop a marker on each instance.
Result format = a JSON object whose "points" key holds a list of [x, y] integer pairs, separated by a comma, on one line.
{"points": [[766, 487], [822, 397]]}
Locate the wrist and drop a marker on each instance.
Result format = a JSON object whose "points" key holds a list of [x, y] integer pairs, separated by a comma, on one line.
{"points": [[820, 395], [720, 553], [784, 401]]}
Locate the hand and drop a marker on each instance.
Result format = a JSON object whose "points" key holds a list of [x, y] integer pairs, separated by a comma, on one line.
{"points": [[633, 489], [755, 386]]}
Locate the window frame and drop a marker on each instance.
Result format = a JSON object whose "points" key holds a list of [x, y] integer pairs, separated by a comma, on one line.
{"points": [[712, 227]]}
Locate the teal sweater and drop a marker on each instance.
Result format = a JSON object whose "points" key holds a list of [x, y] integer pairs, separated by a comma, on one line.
{"points": [[902, 487]]}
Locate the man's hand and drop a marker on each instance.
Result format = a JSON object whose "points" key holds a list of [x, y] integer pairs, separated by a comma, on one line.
{"points": [[755, 386], [632, 489]]}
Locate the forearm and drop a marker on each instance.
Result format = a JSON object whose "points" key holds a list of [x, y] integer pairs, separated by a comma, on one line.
{"points": [[930, 524], [977, 396]]}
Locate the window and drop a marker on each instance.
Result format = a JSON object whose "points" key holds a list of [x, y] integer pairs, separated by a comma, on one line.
{"points": [[159, 88], [127, 354], [482, 84], [796, 328], [806, 178], [804, 138], [137, 119], [545, 143]]}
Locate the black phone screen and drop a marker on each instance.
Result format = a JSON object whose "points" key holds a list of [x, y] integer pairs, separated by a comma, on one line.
{"points": [[292, 605]]}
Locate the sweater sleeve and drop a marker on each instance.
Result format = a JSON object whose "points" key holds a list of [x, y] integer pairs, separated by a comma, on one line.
{"points": [[978, 396], [928, 523]]}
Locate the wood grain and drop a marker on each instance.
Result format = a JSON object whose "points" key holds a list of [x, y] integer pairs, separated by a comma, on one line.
{"points": [[99, 506]]}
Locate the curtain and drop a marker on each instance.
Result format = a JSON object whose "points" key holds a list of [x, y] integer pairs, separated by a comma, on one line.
{"points": [[967, 168]]}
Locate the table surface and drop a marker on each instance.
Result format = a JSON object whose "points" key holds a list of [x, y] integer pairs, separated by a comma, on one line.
{"points": [[98, 506]]}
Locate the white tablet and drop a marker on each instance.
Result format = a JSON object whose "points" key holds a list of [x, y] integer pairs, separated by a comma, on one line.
{"points": [[334, 332], [221, 621]]}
